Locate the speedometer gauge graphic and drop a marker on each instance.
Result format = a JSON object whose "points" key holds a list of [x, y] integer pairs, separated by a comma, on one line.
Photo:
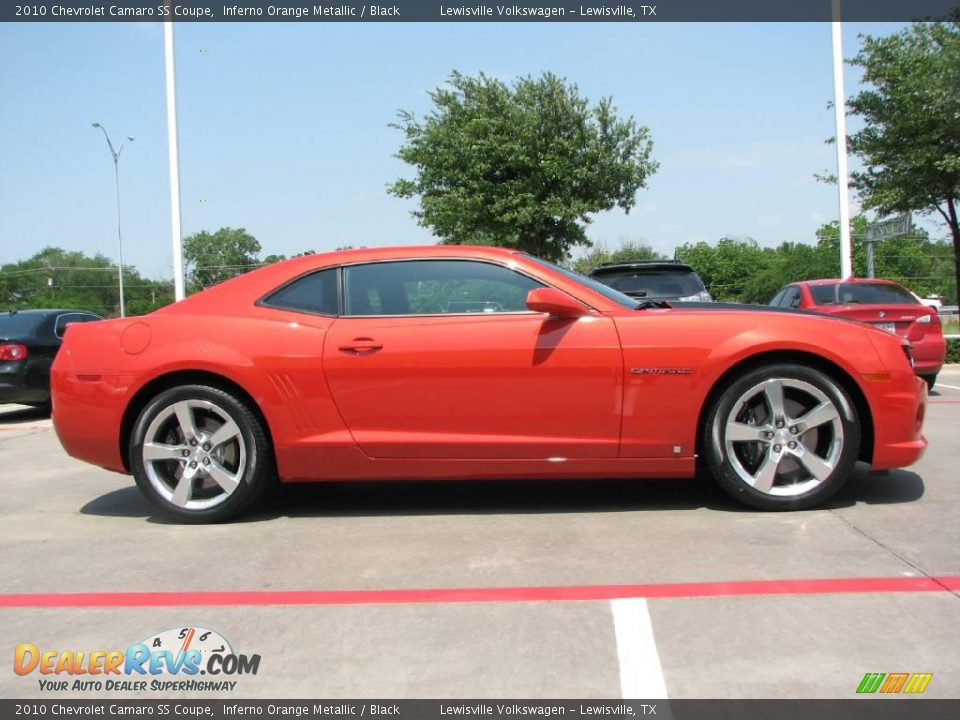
{"points": [[184, 639]]}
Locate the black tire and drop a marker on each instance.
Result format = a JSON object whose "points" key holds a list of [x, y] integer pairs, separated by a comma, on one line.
{"points": [[45, 407], [930, 380], [245, 459], [801, 389]]}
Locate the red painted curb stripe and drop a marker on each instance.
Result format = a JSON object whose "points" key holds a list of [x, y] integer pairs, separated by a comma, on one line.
{"points": [[496, 594]]}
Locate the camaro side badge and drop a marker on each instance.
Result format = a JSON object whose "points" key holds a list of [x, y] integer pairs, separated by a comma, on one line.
{"points": [[662, 371]]}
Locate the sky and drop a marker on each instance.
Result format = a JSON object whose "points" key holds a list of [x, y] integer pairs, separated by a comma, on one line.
{"points": [[284, 128]]}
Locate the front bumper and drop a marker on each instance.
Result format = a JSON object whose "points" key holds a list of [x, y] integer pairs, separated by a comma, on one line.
{"points": [[898, 405]]}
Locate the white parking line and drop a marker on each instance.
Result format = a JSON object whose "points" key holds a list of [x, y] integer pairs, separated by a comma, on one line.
{"points": [[641, 676], [952, 387]]}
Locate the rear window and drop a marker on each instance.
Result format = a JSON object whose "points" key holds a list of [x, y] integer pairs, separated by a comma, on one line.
{"points": [[18, 323], [317, 293], [861, 294], [654, 283]]}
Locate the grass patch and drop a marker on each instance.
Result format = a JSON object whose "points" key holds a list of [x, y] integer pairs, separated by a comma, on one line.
{"points": [[953, 351], [951, 324]]}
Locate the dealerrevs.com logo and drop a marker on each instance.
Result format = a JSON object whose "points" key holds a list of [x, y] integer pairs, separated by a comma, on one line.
{"points": [[180, 659]]}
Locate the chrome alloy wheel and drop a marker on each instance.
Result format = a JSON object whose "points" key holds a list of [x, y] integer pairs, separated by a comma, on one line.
{"points": [[783, 437], [194, 454]]}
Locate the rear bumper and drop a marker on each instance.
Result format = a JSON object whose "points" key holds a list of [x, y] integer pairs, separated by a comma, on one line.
{"points": [[86, 416], [929, 353], [927, 368], [21, 394], [24, 381]]}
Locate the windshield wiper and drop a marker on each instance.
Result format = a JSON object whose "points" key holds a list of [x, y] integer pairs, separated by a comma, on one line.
{"points": [[648, 304]]}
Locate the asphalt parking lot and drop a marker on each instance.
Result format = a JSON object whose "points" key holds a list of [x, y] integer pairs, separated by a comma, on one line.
{"points": [[397, 549]]}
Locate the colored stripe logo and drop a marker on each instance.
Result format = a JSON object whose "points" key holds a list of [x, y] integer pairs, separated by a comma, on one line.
{"points": [[912, 683]]}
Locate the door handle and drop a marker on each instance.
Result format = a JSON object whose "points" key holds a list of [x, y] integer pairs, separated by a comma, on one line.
{"points": [[361, 345]]}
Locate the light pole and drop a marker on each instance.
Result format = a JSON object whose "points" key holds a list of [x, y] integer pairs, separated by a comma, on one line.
{"points": [[115, 154], [840, 119]]}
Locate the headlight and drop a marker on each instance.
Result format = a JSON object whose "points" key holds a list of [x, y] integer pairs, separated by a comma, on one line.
{"points": [[703, 296], [908, 351]]}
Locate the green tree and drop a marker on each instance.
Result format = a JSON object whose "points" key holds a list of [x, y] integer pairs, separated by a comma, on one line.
{"points": [[910, 143], [210, 258], [271, 259], [727, 268], [520, 166], [55, 277]]}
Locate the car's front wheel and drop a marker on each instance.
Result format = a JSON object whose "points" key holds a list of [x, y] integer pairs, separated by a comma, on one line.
{"points": [[200, 454], [782, 437]]}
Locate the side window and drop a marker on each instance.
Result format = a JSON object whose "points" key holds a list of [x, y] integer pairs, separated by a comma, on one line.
{"points": [[778, 298], [66, 319], [792, 298], [316, 293], [434, 287]]}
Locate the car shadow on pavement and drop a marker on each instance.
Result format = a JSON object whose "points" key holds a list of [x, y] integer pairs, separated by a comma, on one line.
{"points": [[476, 497], [23, 414], [882, 488]]}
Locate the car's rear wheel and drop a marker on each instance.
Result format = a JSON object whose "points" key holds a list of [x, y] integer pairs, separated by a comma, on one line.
{"points": [[200, 454], [782, 437], [930, 380]]}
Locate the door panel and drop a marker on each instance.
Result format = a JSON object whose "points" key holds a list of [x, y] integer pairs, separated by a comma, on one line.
{"points": [[480, 385]]}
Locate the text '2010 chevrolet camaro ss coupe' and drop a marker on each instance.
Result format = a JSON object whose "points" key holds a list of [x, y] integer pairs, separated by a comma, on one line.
{"points": [[451, 362]]}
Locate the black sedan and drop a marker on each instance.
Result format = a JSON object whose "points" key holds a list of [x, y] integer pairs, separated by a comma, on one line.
{"points": [[29, 339]]}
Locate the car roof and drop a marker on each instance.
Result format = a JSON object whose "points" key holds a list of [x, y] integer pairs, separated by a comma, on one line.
{"points": [[243, 289], [641, 265], [855, 281], [47, 311]]}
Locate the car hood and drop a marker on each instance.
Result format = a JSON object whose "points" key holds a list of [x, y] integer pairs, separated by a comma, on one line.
{"points": [[744, 307]]}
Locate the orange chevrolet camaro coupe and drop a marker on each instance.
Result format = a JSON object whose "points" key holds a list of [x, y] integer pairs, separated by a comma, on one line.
{"points": [[449, 362]]}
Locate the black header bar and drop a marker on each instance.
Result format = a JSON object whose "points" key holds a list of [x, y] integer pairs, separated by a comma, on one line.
{"points": [[470, 11]]}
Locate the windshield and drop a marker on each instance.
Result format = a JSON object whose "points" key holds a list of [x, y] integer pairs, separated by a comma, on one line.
{"points": [[861, 294], [18, 323], [655, 283], [608, 292]]}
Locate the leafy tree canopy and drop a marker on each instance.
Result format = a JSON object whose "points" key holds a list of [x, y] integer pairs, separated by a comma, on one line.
{"points": [[210, 258], [738, 269], [520, 166], [60, 278], [910, 143]]}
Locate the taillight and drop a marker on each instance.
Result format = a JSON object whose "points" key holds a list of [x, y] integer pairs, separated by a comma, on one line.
{"points": [[13, 351]]}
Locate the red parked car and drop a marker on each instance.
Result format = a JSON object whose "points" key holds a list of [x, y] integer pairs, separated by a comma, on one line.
{"points": [[882, 303], [449, 362]]}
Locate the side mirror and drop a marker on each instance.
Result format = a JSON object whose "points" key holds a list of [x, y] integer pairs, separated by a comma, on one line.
{"points": [[558, 304]]}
